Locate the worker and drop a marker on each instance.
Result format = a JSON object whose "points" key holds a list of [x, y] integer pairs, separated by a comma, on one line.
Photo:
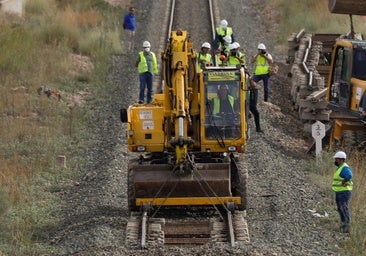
{"points": [[147, 68], [204, 57], [263, 60], [220, 33], [222, 107], [236, 57], [129, 27], [253, 99], [223, 103], [342, 186], [224, 51]]}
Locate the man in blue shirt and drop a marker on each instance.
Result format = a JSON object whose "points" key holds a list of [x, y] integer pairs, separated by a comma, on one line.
{"points": [[342, 186], [129, 26]]}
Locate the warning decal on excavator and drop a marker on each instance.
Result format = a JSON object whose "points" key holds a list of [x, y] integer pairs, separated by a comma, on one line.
{"points": [[221, 76], [148, 125], [145, 114]]}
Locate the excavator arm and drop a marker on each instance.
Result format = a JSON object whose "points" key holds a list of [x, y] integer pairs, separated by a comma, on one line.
{"points": [[179, 67]]}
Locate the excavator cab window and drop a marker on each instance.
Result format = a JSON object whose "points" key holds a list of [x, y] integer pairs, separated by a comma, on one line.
{"points": [[222, 110], [359, 64], [341, 78]]}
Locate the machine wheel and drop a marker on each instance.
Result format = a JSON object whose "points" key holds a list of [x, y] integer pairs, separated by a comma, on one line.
{"points": [[242, 190], [240, 184], [131, 186]]}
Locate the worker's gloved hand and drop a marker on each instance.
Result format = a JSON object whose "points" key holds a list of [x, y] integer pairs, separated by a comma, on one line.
{"points": [[344, 182]]}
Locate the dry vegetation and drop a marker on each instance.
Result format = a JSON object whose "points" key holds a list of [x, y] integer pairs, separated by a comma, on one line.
{"points": [[65, 46]]}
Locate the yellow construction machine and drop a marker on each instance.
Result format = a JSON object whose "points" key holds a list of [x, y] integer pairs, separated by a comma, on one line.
{"points": [[187, 147], [328, 78], [346, 88]]}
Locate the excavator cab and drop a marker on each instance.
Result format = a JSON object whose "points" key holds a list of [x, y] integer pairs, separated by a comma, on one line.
{"points": [[346, 87], [224, 109], [347, 76]]}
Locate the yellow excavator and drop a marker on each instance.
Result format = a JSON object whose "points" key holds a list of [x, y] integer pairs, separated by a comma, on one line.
{"points": [[346, 91], [187, 147]]}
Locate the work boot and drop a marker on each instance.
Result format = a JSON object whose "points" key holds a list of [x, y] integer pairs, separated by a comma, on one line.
{"points": [[345, 228]]}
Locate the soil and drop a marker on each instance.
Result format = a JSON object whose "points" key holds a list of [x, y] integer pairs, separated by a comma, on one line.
{"points": [[94, 211]]}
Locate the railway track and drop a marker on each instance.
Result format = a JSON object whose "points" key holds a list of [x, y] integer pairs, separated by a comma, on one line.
{"points": [[161, 227], [178, 17], [183, 230]]}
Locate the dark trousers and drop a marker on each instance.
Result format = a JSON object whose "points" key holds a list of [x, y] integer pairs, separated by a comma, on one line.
{"points": [[253, 99], [146, 81], [342, 199], [265, 78]]}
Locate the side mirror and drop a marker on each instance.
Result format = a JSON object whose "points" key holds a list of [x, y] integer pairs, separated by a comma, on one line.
{"points": [[123, 115]]}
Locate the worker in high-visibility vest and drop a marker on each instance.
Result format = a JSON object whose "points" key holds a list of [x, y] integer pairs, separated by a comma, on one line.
{"points": [[223, 103], [236, 57], [147, 66], [221, 32], [204, 57], [223, 107], [262, 61], [342, 186]]}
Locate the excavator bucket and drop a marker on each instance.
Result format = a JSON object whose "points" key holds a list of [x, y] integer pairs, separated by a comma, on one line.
{"points": [[158, 184]]}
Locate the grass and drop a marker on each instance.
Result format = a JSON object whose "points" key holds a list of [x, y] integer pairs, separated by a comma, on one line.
{"points": [[45, 47], [322, 171]]}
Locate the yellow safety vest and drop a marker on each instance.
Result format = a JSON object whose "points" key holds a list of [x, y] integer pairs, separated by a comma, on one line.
{"points": [[233, 60], [217, 103], [221, 32], [262, 67], [337, 185], [203, 58], [142, 66]]}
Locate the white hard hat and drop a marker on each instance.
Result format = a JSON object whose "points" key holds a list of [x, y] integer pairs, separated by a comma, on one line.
{"points": [[227, 39], [340, 154], [206, 45], [234, 45], [223, 24], [261, 47], [146, 44]]}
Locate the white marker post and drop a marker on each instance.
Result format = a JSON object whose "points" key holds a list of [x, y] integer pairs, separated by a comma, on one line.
{"points": [[318, 133]]}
